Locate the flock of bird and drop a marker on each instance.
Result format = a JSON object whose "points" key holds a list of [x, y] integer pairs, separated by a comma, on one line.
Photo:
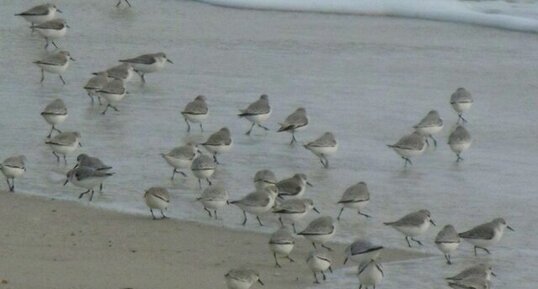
{"points": [[281, 197]]}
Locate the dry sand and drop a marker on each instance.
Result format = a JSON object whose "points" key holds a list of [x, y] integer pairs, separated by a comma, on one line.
{"points": [[49, 243]]}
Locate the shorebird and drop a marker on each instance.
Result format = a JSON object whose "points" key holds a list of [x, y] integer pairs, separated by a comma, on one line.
{"points": [[447, 240], [56, 63], [196, 111], [264, 178], [319, 262], [218, 142], [203, 167], [459, 141], [293, 210], [461, 100], [362, 251], [430, 125], [281, 244], [84, 160], [257, 203], [257, 112], [147, 63], [40, 13], [157, 198], [13, 167], [485, 235], [96, 83], [322, 147], [294, 122], [320, 231], [370, 274], [64, 143], [355, 197], [213, 198], [242, 278], [51, 30], [55, 113], [413, 225], [87, 178], [181, 158], [409, 146], [293, 187]]}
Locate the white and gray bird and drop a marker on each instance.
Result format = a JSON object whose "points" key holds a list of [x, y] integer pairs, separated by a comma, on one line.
{"points": [[319, 262], [281, 244], [447, 240], [157, 198], [293, 210], [319, 231], [322, 147], [96, 83], [242, 278], [124, 72], [459, 141], [52, 30], [264, 178], [408, 146], [213, 198], [87, 178], [147, 63], [361, 251], [430, 125], [481, 270], [113, 91], [461, 100], [84, 160], [54, 114], [196, 111], [257, 112], [181, 158], [13, 167], [257, 203], [55, 63], [413, 225], [203, 167], [355, 197], [219, 142], [370, 274], [64, 143], [293, 187], [486, 235], [40, 13], [294, 122], [470, 283]]}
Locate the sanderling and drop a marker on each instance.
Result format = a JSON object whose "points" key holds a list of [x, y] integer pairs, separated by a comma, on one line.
{"points": [[96, 83], [195, 111], [470, 283], [413, 224], [322, 147], [242, 278], [430, 125], [370, 274], [51, 30], [264, 178], [64, 143], [320, 231], [218, 142], [319, 262], [485, 235], [157, 198], [459, 141], [126, 1], [361, 251], [447, 240], [355, 197], [294, 122], [56, 63], [213, 198], [147, 63], [39, 14], [113, 91], [13, 167], [281, 244], [257, 203], [480, 270], [461, 100], [181, 158], [84, 160], [124, 71], [293, 210], [293, 187], [203, 167], [55, 113], [87, 178], [257, 112], [409, 146]]}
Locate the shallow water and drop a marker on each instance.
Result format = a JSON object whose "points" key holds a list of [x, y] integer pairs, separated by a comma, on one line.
{"points": [[367, 79]]}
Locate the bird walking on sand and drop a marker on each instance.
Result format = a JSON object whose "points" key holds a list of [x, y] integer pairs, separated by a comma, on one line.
{"points": [[294, 122], [409, 146], [413, 225], [430, 125], [196, 111], [56, 63], [459, 141], [485, 235], [157, 198], [281, 244], [322, 147], [13, 167], [257, 112], [355, 197], [447, 240], [461, 100], [55, 113]]}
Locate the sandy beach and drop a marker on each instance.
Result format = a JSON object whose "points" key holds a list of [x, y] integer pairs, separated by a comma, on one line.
{"points": [[50, 243]]}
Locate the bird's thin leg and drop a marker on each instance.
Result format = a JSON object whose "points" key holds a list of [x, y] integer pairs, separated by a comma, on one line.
{"points": [[244, 218], [101, 188], [316, 277], [54, 44], [114, 108], [82, 194], [215, 214], [294, 230], [142, 77], [448, 261], [314, 244], [173, 173], [106, 108], [293, 138], [459, 158], [340, 214], [326, 247], [280, 220], [50, 133], [163, 216], [487, 251], [250, 129], [200, 183], [427, 142], [91, 195], [363, 214], [152, 215], [208, 211], [215, 158], [407, 240], [12, 188], [434, 140], [99, 99], [201, 128], [118, 4], [57, 156], [289, 258], [127, 1], [61, 78], [188, 125], [417, 241], [91, 97], [208, 181], [259, 221], [324, 277], [276, 261], [42, 76], [264, 127], [65, 159], [8, 184], [475, 253], [46, 43]]}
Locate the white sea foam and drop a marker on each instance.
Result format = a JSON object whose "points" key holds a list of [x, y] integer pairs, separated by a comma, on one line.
{"points": [[440, 10]]}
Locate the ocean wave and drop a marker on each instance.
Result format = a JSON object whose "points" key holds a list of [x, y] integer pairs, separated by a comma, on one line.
{"points": [[439, 10]]}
